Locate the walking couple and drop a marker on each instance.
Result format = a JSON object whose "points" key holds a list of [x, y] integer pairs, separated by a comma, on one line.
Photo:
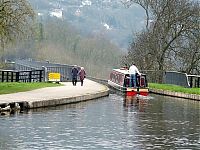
{"points": [[75, 73]]}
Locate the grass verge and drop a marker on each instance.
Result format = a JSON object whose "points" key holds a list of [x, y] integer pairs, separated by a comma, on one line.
{"points": [[174, 88], [14, 87]]}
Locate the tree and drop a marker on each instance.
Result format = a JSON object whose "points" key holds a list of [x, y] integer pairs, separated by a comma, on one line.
{"points": [[174, 28], [188, 53], [15, 17], [145, 4]]}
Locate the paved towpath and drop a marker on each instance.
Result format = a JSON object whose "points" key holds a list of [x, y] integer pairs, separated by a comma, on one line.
{"points": [[50, 96]]}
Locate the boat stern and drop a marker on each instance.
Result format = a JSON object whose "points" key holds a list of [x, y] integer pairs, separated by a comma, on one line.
{"points": [[135, 91]]}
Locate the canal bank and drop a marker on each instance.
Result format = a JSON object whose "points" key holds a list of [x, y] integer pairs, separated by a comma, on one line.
{"points": [[175, 94], [158, 91], [53, 96]]}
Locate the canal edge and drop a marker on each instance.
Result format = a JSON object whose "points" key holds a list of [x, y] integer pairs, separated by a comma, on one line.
{"points": [[17, 104], [175, 94], [67, 100]]}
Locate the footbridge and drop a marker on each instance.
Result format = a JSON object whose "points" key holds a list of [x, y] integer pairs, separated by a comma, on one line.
{"points": [[49, 96], [67, 93], [63, 69], [169, 77]]}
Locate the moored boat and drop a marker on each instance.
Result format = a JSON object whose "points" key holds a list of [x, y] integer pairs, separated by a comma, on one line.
{"points": [[120, 80]]}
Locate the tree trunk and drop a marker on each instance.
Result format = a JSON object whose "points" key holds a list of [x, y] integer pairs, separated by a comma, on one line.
{"points": [[3, 49]]}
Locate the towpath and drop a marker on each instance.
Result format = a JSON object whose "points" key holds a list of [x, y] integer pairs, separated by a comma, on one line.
{"points": [[52, 96]]}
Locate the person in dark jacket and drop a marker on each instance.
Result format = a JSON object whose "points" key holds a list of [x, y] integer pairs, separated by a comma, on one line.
{"points": [[82, 75], [74, 75]]}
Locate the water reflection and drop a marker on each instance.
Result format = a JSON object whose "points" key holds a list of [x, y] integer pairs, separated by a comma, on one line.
{"points": [[113, 122], [131, 102]]}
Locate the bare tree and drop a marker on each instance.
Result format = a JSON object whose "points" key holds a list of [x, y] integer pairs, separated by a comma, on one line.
{"points": [[145, 4], [176, 22], [188, 52], [15, 16], [172, 21], [139, 52]]}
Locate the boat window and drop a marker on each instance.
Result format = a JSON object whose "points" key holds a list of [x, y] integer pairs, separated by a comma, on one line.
{"points": [[116, 76], [111, 76], [143, 81], [126, 81], [120, 79]]}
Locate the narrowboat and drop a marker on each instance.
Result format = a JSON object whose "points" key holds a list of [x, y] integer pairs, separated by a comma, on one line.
{"points": [[120, 80]]}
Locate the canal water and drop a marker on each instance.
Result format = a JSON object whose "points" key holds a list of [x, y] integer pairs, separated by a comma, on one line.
{"points": [[113, 123]]}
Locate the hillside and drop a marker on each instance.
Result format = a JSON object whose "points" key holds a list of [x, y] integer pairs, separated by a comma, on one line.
{"points": [[87, 33], [56, 41], [108, 18]]}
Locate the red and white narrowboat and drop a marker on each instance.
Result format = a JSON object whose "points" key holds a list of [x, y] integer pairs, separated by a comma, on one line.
{"points": [[120, 80]]}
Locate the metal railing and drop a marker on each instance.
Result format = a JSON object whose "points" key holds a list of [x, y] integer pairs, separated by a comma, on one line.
{"points": [[21, 76], [63, 69], [194, 80], [153, 76], [172, 77]]}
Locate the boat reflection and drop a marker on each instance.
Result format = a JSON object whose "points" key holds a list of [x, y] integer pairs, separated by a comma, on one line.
{"points": [[138, 102]]}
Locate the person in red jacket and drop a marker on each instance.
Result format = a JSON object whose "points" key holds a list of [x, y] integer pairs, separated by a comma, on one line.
{"points": [[82, 75]]}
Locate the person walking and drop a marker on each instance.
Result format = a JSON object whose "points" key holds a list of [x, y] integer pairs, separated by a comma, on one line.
{"points": [[74, 75], [133, 70], [82, 75]]}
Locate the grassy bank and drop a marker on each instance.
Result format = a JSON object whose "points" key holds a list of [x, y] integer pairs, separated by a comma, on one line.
{"points": [[174, 88], [13, 87]]}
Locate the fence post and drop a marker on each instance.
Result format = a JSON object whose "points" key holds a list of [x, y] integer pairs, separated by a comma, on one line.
{"points": [[17, 76], [40, 76], [191, 82], [30, 75], [2, 79], [12, 76], [7, 76], [45, 73]]}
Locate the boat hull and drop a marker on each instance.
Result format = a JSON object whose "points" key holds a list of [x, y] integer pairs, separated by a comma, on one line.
{"points": [[129, 91]]}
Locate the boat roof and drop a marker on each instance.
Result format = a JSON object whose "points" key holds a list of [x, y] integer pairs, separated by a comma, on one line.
{"points": [[122, 70]]}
